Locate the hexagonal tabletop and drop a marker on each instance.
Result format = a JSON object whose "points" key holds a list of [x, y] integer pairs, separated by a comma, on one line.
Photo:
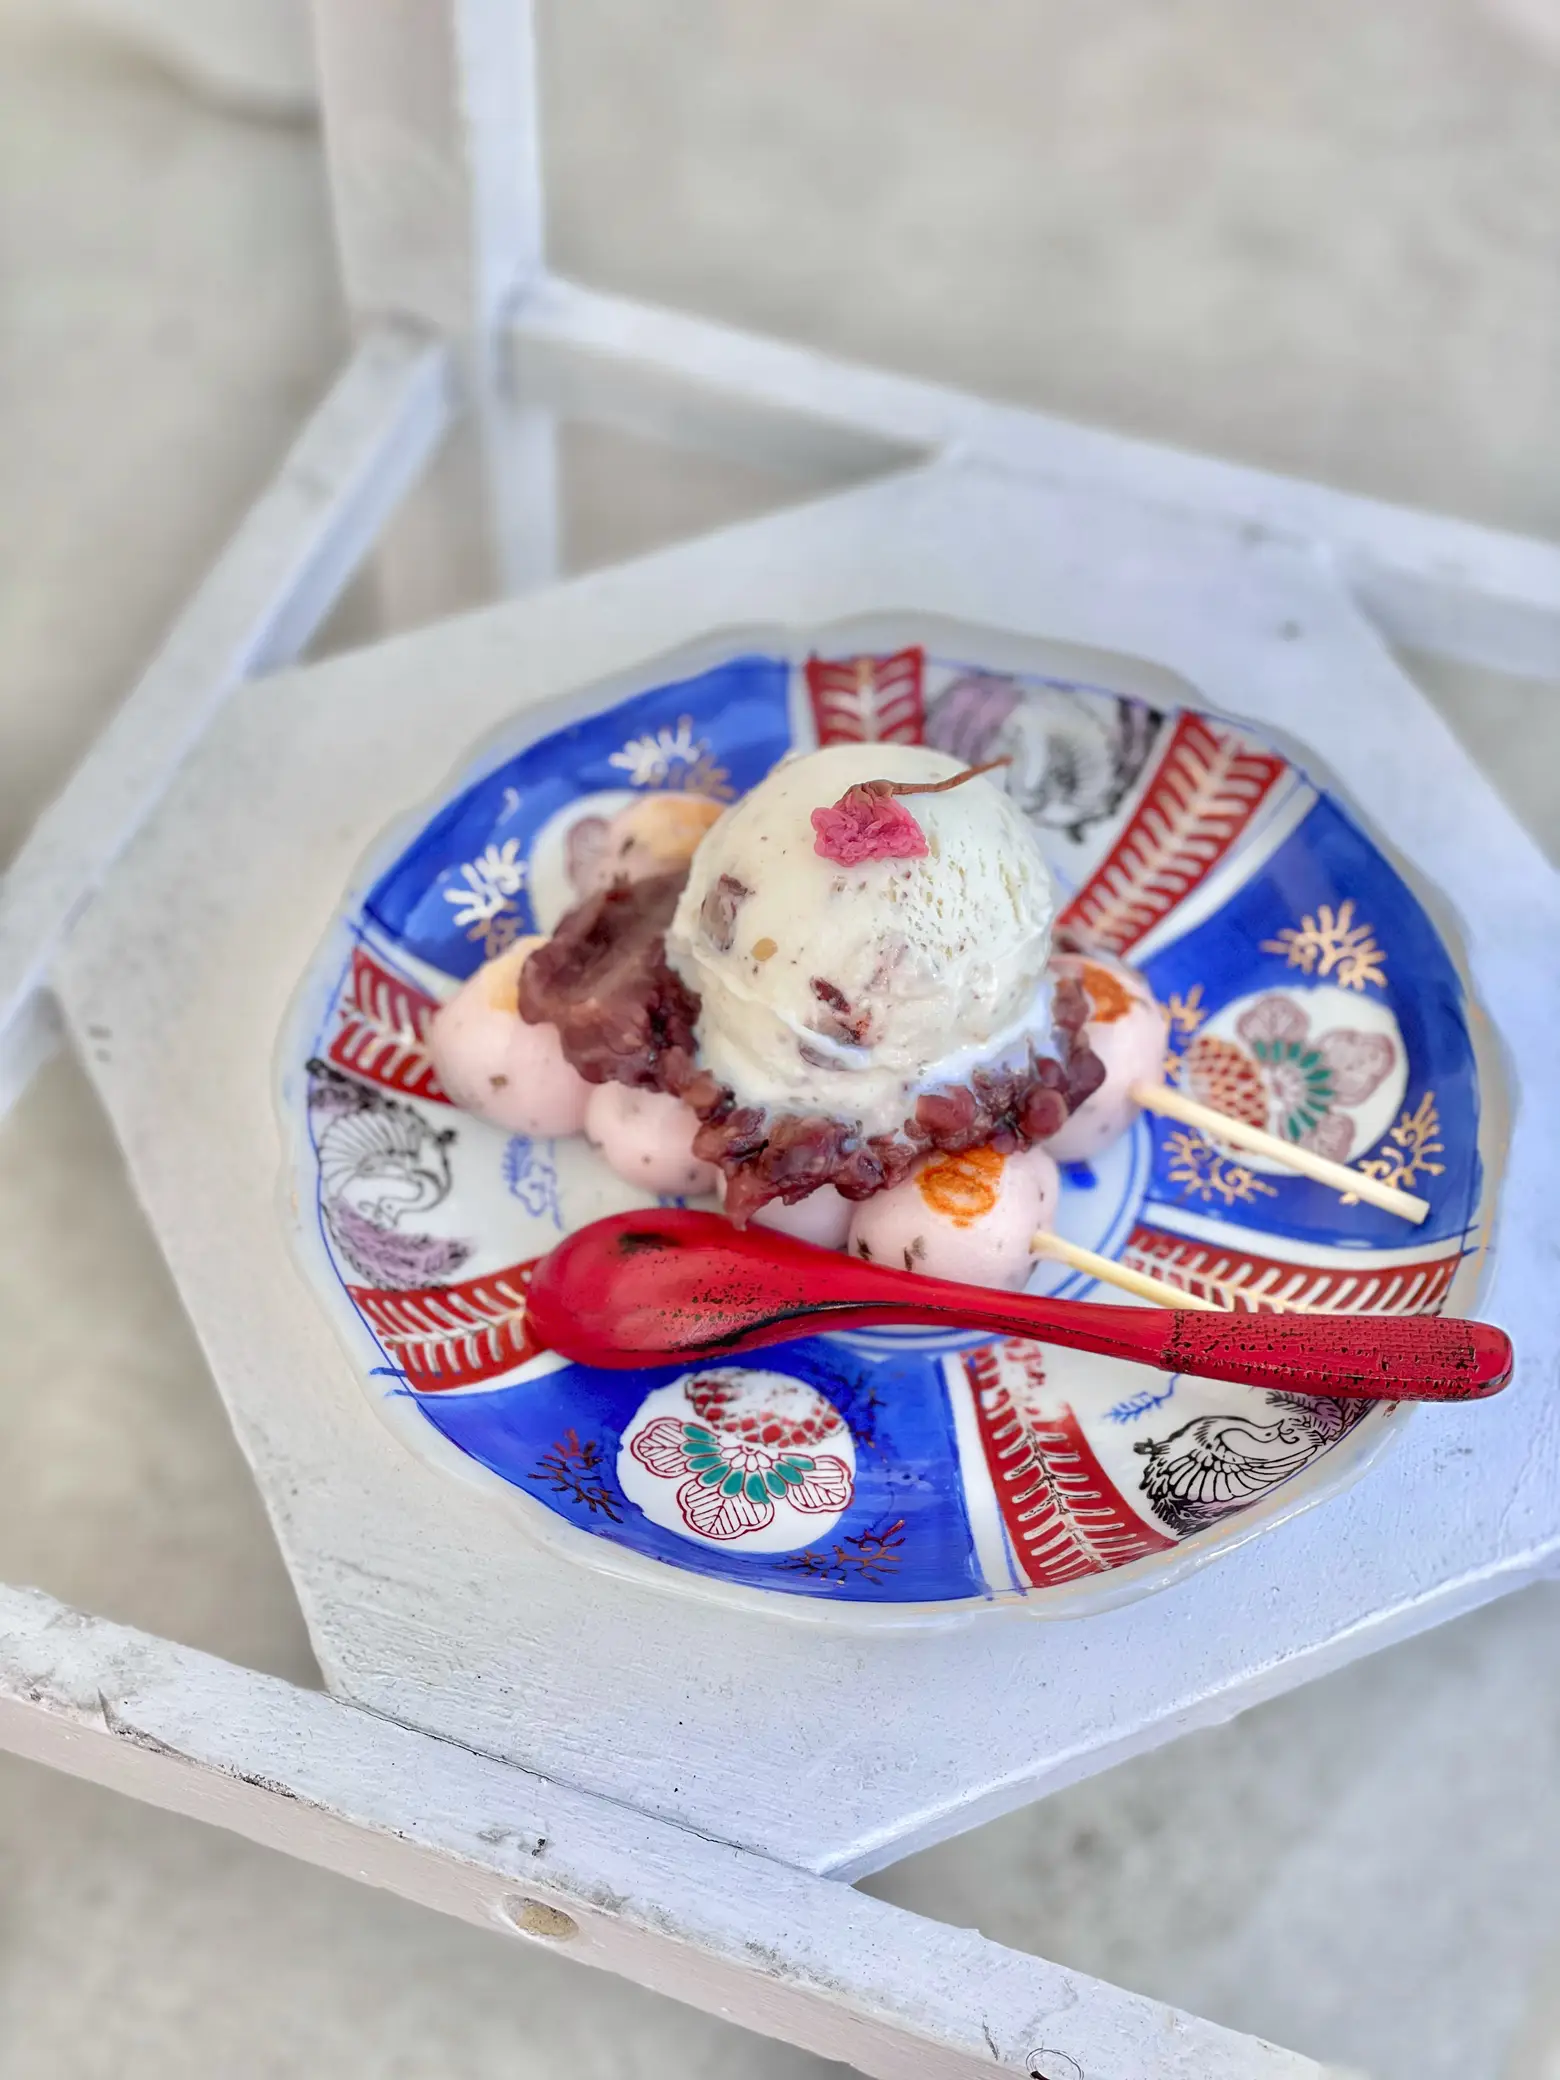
{"points": [[830, 1748]]}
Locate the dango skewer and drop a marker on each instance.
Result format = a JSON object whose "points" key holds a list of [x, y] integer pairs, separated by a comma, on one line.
{"points": [[982, 1218], [1046, 1243], [1126, 1029], [1170, 1103]]}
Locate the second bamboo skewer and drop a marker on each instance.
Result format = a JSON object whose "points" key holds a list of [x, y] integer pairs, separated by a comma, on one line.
{"points": [[1110, 1273], [1172, 1104]]}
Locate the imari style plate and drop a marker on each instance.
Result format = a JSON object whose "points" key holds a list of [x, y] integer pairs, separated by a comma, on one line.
{"points": [[917, 1474]]}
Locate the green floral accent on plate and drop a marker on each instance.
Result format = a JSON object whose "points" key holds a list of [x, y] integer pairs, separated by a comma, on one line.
{"points": [[1308, 1111]]}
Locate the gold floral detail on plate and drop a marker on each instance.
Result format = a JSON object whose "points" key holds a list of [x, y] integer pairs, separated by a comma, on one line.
{"points": [[704, 777], [1201, 1170], [483, 899], [1406, 1153], [1185, 1013], [1331, 943], [496, 935], [674, 760]]}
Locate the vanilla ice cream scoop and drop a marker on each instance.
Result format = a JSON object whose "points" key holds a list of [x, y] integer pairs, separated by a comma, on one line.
{"points": [[849, 990]]}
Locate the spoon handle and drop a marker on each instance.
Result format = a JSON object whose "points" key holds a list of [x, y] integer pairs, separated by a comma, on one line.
{"points": [[1349, 1357]]}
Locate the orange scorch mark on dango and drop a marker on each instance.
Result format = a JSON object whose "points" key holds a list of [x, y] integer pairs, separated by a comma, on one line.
{"points": [[1109, 997], [962, 1188]]}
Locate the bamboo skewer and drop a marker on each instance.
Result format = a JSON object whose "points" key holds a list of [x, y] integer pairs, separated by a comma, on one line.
{"points": [[1357, 1184], [1110, 1273], [1162, 1294]]}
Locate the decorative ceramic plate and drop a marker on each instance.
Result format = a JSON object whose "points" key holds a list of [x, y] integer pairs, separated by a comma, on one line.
{"points": [[910, 1474]]}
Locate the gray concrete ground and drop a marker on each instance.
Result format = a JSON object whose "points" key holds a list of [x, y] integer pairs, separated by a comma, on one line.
{"points": [[1322, 238]]}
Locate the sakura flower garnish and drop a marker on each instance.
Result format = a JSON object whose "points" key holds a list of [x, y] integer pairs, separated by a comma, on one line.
{"points": [[867, 822], [862, 826]]}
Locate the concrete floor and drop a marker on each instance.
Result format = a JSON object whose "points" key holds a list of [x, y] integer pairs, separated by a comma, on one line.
{"points": [[1319, 238]]}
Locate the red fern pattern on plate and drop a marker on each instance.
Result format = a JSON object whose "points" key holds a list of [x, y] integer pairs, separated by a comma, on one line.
{"points": [[1204, 791], [868, 700], [457, 1335], [1063, 1514], [383, 1033], [1218, 1271]]}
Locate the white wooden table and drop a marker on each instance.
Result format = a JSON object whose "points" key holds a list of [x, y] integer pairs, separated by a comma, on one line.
{"points": [[507, 1737]]}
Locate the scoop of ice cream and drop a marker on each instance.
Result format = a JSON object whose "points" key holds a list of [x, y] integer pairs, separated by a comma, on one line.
{"points": [[849, 989]]}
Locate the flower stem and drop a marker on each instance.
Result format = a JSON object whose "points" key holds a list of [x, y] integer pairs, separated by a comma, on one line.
{"points": [[883, 787]]}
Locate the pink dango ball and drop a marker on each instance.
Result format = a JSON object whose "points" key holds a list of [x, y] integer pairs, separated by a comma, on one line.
{"points": [[1127, 1030], [653, 835], [968, 1217], [492, 1063], [822, 1218], [646, 1138]]}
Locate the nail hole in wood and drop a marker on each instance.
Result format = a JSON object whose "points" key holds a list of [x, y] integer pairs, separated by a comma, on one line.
{"points": [[1053, 2065], [533, 1917]]}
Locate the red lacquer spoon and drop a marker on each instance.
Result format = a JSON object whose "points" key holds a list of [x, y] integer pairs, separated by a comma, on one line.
{"points": [[666, 1288]]}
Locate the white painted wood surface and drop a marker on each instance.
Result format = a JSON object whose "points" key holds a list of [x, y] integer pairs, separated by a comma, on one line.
{"points": [[787, 1954], [428, 1602], [1430, 582], [264, 598], [431, 146], [435, 172], [482, 522]]}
